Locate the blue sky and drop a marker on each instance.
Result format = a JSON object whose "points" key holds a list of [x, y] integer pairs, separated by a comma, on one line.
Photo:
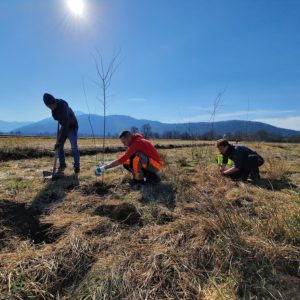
{"points": [[176, 56]]}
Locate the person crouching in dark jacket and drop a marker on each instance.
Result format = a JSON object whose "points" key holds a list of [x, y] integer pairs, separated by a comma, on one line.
{"points": [[246, 161], [62, 113]]}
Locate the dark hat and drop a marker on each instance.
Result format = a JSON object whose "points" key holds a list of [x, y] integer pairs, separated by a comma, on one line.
{"points": [[49, 99]]}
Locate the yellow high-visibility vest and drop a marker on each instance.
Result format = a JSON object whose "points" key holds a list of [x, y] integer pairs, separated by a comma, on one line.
{"points": [[220, 158]]}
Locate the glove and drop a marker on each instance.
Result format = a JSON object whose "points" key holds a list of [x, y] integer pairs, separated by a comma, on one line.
{"points": [[100, 170], [56, 146]]}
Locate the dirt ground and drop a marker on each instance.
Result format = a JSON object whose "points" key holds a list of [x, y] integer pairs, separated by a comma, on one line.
{"points": [[195, 235]]}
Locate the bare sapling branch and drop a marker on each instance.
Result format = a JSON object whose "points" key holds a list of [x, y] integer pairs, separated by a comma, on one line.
{"points": [[105, 74]]}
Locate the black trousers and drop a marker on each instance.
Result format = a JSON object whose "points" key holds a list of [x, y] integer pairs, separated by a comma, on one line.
{"points": [[142, 167], [250, 167]]}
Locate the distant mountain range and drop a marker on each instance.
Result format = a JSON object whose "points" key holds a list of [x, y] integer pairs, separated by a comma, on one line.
{"points": [[9, 126], [117, 123]]}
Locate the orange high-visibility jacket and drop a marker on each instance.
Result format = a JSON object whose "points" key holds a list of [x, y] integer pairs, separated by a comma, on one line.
{"points": [[139, 144]]}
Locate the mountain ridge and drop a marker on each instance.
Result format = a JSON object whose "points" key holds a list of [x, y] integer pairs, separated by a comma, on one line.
{"points": [[6, 126], [117, 123]]}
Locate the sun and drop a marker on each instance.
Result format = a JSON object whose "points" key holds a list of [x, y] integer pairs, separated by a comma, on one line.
{"points": [[76, 7]]}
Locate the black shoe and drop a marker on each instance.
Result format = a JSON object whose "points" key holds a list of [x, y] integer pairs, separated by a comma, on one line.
{"points": [[152, 178], [137, 183], [61, 168], [76, 170], [254, 177]]}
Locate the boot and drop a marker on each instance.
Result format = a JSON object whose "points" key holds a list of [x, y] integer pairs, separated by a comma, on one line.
{"points": [[76, 170], [152, 178], [137, 184], [254, 176], [61, 168]]}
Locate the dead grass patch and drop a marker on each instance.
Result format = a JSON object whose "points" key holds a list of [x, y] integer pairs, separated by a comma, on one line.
{"points": [[194, 236]]}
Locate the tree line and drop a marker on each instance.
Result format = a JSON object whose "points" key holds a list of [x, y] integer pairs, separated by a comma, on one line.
{"points": [[210, 135]]}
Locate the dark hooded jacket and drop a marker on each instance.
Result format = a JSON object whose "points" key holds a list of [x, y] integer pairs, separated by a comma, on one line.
{"points": [[238, 154], [66, 118]]}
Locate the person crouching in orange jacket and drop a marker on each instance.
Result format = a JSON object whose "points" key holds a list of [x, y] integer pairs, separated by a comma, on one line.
{"points": [[141, 159]]}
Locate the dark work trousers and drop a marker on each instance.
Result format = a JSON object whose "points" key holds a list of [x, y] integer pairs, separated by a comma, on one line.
{"points": [[250, 167], [142, 166]]}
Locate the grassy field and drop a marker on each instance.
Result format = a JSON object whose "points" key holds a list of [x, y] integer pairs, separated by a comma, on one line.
{"points": [[195, 235], [47, 143], [15, 148]]}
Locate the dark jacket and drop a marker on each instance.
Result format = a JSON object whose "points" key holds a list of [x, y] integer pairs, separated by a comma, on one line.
{"points": [[238, 154], [66, 118]]}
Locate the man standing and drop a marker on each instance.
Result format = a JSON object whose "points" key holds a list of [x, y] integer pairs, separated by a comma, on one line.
{"points": [[246, 161], [62, 113], [141, 159]]}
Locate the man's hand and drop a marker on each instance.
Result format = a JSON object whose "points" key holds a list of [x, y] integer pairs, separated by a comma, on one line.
{"points": [[100, 170], [57, 145], [231, 171], [222, 169]]}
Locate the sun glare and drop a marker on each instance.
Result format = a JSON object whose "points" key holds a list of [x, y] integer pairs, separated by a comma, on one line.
{"points": [[76, 6]]}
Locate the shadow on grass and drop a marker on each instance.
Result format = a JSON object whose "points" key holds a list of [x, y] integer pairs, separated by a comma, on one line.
{"points": [[162, 192], [72, 262], [97, 188], [24, 221], [54, 192], [258, 272], [124, 213], [255, 271], [276, 184]]}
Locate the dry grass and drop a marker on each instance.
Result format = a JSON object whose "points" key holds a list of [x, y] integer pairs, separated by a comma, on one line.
{"points": [[47, 142], [194, 236], [17, 148]]}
